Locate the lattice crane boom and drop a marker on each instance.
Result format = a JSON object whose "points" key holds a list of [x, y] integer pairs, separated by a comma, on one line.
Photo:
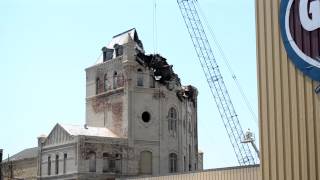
{"points": [[215, 80]]}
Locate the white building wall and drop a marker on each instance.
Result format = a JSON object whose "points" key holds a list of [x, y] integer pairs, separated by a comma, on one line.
{"points": [[71, 164]]}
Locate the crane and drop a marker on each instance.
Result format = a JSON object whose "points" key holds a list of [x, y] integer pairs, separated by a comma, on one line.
{"points": [[216, 83]]}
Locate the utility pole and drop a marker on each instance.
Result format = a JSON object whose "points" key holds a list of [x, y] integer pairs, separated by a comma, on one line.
{"points": [[11, 169]]}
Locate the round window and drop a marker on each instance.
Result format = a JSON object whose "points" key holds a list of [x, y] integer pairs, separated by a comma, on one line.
{"points": [[145, 116]]}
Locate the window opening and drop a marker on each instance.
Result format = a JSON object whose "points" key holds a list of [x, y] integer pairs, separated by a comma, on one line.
{"points": [[57, 164], [172, 162], [146, 117], [65, 163], [140, 78], [49, 165], [92, 162]]}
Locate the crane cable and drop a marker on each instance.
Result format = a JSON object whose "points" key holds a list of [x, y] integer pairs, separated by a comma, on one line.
{"points": [[227, 62]]}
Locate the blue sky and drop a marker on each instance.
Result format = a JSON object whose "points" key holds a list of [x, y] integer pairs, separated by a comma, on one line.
{"points": [[45, 45]]}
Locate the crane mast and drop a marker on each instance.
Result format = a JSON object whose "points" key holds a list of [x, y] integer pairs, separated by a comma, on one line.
{"points": [[215, 80]]}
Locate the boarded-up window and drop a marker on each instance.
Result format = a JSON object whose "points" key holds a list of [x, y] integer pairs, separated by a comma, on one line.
{"points": [[173, 162], [92, 162], [146, 162]]}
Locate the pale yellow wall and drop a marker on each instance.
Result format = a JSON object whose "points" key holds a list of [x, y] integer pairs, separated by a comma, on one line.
{"points": [[289, 110], [233, 173]]}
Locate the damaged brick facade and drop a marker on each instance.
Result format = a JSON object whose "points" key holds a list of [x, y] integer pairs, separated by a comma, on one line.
{"points": [[149, 86]]}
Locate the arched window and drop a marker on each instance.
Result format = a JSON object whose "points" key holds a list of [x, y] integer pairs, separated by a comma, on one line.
{"points": [[65, 156], [115, 80], [146, 162], [49, 165], [106, 83], [139, 77], [92, 162], [173, 162], [97, 85], [172, 119], [57, 164]]}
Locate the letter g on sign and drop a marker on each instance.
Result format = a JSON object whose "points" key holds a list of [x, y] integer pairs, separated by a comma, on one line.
{"points": [[304, 16], [310, 20]]}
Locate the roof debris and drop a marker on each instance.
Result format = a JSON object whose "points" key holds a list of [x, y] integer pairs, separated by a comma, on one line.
{"points": [[163, 72]]}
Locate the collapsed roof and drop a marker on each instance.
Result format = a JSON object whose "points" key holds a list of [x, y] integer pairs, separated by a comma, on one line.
{"points": [[162, 71]]}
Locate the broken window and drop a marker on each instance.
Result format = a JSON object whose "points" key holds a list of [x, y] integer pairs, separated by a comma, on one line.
{"points": [[173, 162], [106, 84], [172, 123], [146, 162], [97, 85], [57, 164], [139, 78], [92, 162], [115, 80], [49, 165]]}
